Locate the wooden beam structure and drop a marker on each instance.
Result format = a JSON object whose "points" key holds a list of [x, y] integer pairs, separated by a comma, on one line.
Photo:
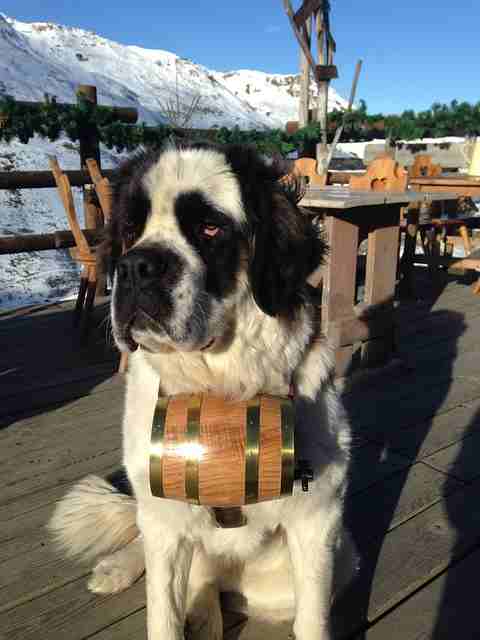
{"points": [[313, 19], [305, 11]]}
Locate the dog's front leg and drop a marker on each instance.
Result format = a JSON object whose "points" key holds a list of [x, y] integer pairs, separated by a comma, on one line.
{"points": [[311, 544], [167, 564]]}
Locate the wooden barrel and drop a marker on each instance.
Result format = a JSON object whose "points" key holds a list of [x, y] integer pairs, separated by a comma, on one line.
{"points": [[211, 451]]}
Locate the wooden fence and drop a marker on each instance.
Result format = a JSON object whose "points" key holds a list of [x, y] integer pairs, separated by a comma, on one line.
{"points": [[89, 148]]}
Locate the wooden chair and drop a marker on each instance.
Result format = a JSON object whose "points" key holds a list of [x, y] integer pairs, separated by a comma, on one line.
{"points": [[423, 167], [82, 253], [307, 167], [383, 174], [103, 189], [437, 231]]}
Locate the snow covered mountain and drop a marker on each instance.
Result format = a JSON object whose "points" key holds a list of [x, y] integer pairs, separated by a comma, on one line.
{"points": [[43, 57], [40, 57]]}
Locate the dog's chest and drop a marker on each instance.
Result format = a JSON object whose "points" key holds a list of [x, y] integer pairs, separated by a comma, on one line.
{"points": [[243, 543], [231, 375]]}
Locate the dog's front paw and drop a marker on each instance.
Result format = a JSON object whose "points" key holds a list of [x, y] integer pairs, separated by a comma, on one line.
{"points": [[110, 577]]}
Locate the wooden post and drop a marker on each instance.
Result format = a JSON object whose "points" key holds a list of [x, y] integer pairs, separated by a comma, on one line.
{"points": [[315, 11], [305, 78], [90, 148], [323, 85]]}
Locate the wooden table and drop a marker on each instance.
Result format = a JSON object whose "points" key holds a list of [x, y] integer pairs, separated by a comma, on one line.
{"points": [[461, 185], [362, 334]]}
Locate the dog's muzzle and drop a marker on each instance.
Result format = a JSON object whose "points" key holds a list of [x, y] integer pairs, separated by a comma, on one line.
{"points": [[144, 284], [141, 269]]}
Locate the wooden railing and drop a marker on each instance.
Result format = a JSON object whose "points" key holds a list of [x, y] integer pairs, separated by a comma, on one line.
{"points": [[88, 148]]}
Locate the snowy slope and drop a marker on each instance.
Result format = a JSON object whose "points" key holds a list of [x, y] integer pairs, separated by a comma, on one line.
{"points": [[43, 57], [273, 95], [40, 57]]}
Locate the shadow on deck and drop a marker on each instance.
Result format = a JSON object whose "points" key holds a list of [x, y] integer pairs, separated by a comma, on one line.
{"points": [[412, 505]]}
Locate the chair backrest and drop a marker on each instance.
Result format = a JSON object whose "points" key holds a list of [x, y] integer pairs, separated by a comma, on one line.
{"points": [[307, 167], [423, 167], [103, 188], [383, 174], [66, 196]]}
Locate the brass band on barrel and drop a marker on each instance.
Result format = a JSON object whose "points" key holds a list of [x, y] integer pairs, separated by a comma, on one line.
{"points": [[252, 448], [288, 447], [192, 458], [156, 450]]}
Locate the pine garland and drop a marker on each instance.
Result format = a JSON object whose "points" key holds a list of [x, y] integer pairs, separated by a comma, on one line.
{"points": [[50, 120]]}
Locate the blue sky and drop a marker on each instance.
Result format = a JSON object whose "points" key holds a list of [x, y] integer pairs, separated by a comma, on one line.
{"points": [[414, 53]]}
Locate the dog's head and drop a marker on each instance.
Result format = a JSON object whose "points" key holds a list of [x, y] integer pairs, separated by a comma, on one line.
{"points": [[195, 230]]}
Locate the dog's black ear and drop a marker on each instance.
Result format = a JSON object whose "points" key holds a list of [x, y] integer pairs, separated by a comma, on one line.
{"points": [[287, 249]]}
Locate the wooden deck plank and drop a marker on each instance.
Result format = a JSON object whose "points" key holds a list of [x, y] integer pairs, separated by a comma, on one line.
{"points": [[371, 464], [43, 451], [402, 495], [38, 401], [69, 612], [445, 609], [37, 570], [132, 627], [418, 441], [235, 627], [413, 403], [410, 555], [71, 468], [460, 460], [30, 430], [23, 382], [23, 521]]}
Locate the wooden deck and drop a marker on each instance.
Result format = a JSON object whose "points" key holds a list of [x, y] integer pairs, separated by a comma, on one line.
{"points": [[413, 504]]}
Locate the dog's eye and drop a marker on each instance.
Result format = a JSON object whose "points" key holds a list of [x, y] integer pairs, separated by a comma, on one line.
{"points": [[210, 230]]}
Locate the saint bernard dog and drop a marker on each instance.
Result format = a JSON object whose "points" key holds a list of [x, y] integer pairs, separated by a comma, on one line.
{"points": [[211, 259]]}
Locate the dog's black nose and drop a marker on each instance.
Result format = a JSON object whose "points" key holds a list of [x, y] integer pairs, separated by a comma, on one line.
{"points": [[140, 268]]}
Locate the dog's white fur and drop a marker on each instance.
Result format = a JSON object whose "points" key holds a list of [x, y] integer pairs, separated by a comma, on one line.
{"points": [[283, 560]]}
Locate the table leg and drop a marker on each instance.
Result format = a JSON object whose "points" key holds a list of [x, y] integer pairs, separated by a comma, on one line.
{"points": [[381, 275], [339, 281], [407, 287], [431, 247]]}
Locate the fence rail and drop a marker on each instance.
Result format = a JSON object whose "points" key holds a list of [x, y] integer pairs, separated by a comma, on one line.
{"points": [[44, 241], [44, 179], [89, 147]]}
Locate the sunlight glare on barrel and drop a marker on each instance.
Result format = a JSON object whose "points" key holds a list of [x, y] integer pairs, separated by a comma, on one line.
{"points": [[156, 448], [190, 450]]}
